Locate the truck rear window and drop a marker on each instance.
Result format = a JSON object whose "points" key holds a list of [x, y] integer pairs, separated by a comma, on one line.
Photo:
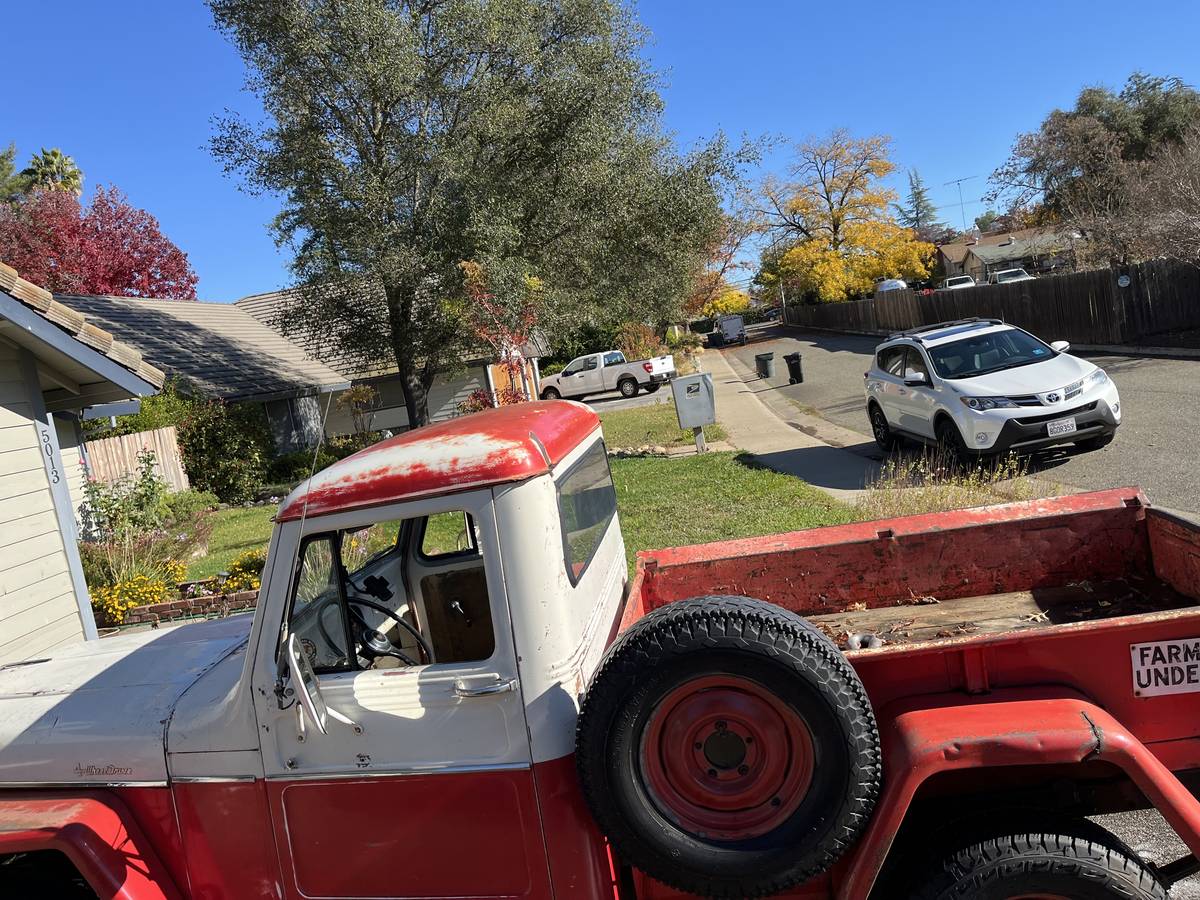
{"points": [[587, 502]]}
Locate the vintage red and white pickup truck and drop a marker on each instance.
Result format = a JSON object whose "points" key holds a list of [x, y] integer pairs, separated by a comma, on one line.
{"points": [[452, 688]]}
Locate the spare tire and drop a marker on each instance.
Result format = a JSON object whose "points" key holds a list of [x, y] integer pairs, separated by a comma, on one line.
{"points": [[727, 748]]}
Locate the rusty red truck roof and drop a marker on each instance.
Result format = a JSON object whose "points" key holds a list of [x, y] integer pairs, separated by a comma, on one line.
{"points": [[496, 446]]}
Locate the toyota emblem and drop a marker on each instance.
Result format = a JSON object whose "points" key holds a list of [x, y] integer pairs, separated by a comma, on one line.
{"points": [[1052, 398]]}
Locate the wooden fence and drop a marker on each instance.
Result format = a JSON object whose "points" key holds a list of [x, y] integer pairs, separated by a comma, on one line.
{"points": [[1161, 297], [110, 459]]}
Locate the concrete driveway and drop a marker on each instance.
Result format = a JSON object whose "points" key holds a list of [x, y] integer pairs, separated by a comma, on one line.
{"points": [[1155, 446]]}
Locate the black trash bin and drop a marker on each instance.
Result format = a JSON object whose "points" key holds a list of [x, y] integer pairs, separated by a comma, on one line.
{"points": [[795, 370], [764, 364]]}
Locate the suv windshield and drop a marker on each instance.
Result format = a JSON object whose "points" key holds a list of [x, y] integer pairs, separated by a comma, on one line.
{"points": [[1010, 275], [987, 353]]}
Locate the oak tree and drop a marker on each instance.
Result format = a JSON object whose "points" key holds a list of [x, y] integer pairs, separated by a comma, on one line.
{"points": [[406, 137]]}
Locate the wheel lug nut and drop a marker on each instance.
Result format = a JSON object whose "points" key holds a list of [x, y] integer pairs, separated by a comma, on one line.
{"points": [[742, 770], [698, 746], [749, 740], [775, 801], [721, 726], [712, 773]]}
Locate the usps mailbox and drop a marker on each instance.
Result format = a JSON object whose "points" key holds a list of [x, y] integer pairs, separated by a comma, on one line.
{"points": [[695, 404]]}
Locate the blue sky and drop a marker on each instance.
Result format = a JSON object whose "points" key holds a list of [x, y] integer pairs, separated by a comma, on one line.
{"points": [[128, 87]]}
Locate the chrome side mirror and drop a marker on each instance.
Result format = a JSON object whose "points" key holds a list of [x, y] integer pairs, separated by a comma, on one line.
{"points": [[304, 683], [913, 378]]}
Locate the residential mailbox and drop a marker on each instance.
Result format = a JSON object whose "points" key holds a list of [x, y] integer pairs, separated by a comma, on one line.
{"points": [[695, 404]]}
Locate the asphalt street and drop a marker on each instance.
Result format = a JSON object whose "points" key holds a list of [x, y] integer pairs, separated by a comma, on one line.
{"points": [[1155, 447]]}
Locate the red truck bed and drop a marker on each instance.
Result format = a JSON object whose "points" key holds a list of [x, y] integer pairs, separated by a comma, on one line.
{"points": [[977, 605]]}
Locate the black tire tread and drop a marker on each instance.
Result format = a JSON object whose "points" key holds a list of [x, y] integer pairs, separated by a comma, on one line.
{"points": [[742, 623], [1087, 852]]}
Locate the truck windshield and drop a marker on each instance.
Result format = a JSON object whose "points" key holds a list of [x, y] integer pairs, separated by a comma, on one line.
{"points": [[986, 353]]}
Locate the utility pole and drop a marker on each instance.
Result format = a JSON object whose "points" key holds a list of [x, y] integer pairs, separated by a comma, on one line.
{"points": [[962, 210]]}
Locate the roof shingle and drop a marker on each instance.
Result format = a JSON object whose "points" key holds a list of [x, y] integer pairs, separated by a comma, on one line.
{"points": [[76, 324]]}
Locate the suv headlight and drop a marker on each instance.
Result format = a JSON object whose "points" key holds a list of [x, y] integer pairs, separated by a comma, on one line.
{"points": [[979, 404], [1097, 377]]}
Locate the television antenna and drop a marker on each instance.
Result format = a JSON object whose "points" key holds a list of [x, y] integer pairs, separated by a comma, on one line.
{"points": [[962, 210]]}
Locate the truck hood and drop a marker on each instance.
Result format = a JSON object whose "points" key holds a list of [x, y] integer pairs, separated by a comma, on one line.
{"points": [[1035, 378], [97, 712]]}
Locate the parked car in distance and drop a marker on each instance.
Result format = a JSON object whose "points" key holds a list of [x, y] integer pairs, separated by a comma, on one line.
{"points": [[598, 373], [890, 284], [955, 282], [774, 314], [1004, 276], [728, 329], [981, 387]]}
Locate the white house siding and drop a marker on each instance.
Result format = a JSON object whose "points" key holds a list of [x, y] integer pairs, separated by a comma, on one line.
{"points": [[38, 609], [444, 398], [72, 458]]}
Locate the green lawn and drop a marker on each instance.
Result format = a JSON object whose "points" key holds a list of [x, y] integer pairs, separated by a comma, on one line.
{"points": [[655, 425], [662, 502], [235, 530], [696, 499]]}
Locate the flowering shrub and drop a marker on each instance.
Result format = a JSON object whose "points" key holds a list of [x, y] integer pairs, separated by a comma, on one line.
{"points": [[111, 602], [245, 572], [138, 540]]}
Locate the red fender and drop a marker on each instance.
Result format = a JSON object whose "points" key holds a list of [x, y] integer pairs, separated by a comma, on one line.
{"points": [[1007, 729], [96, 832]]}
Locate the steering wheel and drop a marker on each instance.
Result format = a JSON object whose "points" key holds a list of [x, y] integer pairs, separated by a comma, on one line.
{"points": [[371, 640]]}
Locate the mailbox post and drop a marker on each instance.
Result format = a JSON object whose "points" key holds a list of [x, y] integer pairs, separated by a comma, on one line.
{"points": [[695, 404]]}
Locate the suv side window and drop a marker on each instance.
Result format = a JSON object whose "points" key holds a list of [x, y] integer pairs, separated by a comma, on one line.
{"points": [[891, 360], [916, 363]]}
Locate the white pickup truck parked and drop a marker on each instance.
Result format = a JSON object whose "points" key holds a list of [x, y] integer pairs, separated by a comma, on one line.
{"points": [[598, 373]]}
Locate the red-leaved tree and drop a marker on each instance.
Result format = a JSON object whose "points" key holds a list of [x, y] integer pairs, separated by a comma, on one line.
{"points": [[504, 326], [107, 247]]}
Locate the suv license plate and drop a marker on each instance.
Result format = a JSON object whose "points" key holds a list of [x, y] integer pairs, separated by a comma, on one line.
{"points": [[1060, 426]]}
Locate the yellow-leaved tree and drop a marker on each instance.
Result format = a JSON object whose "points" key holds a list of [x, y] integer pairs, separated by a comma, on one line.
{"points": [[730, 300], [833, 223]]}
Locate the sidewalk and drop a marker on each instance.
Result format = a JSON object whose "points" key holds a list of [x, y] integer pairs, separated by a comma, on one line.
{"points": [[754, 428]]}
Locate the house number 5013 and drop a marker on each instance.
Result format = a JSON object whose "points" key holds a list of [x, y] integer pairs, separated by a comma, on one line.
{"points": [[48, 449]]}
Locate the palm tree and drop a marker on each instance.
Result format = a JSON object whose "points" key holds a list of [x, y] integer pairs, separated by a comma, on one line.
{"points": [[54, 170]]}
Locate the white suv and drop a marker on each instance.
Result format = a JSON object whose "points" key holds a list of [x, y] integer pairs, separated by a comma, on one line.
{"points": [[979, 386]]}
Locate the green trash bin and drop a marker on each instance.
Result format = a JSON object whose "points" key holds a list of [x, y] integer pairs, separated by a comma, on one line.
{"points": [[764, 364]]}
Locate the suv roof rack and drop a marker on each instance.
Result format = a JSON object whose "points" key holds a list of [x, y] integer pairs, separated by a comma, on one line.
{"points": [[921, 329]]}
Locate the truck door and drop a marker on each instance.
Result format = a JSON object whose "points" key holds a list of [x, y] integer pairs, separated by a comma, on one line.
{"points": [[404, 616]]}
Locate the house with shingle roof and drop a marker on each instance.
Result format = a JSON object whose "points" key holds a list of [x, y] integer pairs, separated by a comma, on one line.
{"points": [[1038, 251], [55, 361], [474, 372]]}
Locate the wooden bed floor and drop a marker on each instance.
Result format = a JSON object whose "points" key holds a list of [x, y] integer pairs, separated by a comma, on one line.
{"points": [[927, 618]]}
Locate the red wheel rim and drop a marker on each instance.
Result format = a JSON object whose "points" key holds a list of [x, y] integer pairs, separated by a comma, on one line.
{"points": [[725, 759]]}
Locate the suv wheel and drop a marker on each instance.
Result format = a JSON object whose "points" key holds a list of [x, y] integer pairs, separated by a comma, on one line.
{"points": [[950, 443], [1096, 443], [884, 437]]}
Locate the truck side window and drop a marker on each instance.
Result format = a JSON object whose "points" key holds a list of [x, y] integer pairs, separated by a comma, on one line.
{"points": [[588, 364], [318, 607], [614, 359], [587, 502], [449, 534]]}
